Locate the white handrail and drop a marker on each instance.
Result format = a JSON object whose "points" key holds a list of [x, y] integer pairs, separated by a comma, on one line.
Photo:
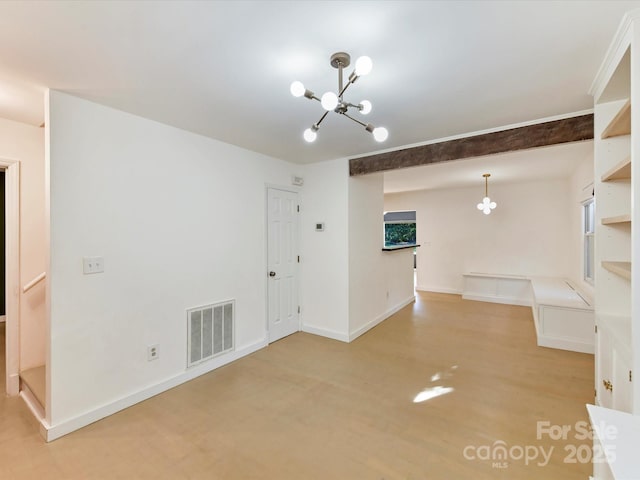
{"points": [[34, 282]]}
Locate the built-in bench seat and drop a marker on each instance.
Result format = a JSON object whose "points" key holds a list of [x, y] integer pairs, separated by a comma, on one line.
{"points": [[563, 315]]}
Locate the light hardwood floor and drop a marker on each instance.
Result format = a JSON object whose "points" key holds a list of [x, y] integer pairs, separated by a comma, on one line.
{"points": [[311, 408]]}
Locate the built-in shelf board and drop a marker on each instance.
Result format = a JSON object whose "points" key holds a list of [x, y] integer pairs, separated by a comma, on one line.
{"points": [[617, 220], [621, 123], [619, 268], [620, 171]]}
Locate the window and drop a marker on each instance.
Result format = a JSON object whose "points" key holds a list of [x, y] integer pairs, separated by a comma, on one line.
{"points": [[589, 223], [399, 228]]}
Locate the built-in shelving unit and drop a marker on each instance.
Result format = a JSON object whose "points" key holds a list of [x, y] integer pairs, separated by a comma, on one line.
{"points": [[616, 283], [620, 124], [619, 268], [620, 171], [617, 220]]}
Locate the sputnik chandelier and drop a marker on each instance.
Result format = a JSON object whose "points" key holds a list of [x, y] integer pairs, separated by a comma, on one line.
{"points": [[487, 205], [334, 102]]}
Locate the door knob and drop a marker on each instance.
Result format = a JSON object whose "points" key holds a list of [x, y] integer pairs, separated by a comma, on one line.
{"points": [[272, 274]]}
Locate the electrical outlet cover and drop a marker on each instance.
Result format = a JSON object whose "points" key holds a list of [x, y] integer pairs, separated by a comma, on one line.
{"points": [[153, 352], [92, 265]]}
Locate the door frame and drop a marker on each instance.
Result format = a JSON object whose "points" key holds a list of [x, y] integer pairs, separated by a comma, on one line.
{"points": [[12, 254], [290, 189]]}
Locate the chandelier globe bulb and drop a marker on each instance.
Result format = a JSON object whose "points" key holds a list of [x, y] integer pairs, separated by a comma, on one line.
{"points": [[329, 101], [297, 89], [310, 135], [380, 134], [363, 66]]}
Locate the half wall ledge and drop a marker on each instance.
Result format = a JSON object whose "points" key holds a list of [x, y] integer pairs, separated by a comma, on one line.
{"points": [[399, 247]]}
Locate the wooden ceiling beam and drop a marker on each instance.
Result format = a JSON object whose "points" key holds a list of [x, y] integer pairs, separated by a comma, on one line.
{"points": [[573, 129]]}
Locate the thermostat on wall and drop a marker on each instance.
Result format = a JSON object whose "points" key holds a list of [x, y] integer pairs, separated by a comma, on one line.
{"points": [[319, 227]]}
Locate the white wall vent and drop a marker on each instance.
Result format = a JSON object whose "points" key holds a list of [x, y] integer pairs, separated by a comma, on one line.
{"points": [[210, 331]]}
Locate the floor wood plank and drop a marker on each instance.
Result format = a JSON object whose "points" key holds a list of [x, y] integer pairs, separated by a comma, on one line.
{"points": [[308, 407]]}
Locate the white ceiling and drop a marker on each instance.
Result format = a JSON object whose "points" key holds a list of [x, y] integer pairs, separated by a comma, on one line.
{"points": [[559, 161], [223, 69]]}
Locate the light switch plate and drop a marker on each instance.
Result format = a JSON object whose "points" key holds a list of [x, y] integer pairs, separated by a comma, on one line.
{"points": [[92, 265]]}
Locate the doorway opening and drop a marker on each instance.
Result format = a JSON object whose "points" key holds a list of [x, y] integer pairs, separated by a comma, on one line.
{"points": [[11, 254], [3, 272], [3, 289]]}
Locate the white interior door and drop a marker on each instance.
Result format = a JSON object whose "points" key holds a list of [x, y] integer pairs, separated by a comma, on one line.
{"points": [[282, 263]]}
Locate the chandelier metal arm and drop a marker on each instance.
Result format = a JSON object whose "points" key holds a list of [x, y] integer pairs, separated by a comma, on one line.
{"points": [[317, 124], [341, 89], [355, 120], [352, 78], [348, 104], [310, 95]]}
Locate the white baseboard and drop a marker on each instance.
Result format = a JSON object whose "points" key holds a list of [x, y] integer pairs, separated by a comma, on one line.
{"points": [[564, 344], [495, 299], [37, 410], [325, 332], [34, 405], [368, 326], [67, 426], [423, 288]]}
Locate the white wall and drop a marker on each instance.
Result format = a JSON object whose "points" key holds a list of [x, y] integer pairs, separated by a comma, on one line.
{"points": [[348, 284], [325, 255], [180, 221], [367, 282], [581, 183], [379, 282], [527, 234], [25, 143]]}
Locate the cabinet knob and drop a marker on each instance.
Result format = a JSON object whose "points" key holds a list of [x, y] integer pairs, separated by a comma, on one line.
{"points": [[608, 385]]}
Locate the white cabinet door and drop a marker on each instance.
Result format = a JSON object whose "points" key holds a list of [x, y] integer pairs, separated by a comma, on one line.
{"points": [[604, 367], [622, 385], [613, 367]]}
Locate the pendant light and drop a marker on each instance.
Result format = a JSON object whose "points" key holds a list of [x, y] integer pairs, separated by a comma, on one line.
{"points": [[486, 205]]}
